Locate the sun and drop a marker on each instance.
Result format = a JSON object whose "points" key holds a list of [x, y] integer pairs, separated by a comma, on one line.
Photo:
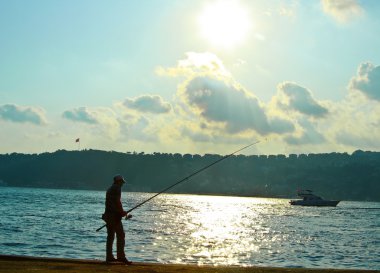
{"points": [[224, 23]]}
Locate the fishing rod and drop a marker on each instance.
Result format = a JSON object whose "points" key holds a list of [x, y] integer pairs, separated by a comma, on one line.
{"points": [[185, 179]]}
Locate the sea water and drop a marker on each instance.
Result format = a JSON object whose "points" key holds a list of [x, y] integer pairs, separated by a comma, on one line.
{"points": [[176, 228]]}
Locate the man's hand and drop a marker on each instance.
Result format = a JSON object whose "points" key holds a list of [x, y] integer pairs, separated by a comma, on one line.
{"points": [[128, 216]]}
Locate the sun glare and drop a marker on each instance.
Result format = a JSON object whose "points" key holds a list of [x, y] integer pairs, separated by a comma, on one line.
{"points": [[224, 23]]}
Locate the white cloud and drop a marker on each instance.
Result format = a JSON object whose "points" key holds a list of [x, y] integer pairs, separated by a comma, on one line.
{"points": [[309, 135], [102, 119], [81, 114], [148, 104], [196, 64], [222, 102], [367, 81], [22, 114], [196, 135], [363, 142], [288, 9], [355, 121], [210, 97], [292, 96], [137, 128], [342, 11], [212, 112]]}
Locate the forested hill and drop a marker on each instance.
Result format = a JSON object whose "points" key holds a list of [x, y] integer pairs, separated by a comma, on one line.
{"points": [[334, 175]]}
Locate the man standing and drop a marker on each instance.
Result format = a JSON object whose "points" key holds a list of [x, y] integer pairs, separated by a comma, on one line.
{"points": [[113, 214]]}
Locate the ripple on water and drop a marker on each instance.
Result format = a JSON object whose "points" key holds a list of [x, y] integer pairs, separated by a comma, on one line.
{"points": [[193, 229]]}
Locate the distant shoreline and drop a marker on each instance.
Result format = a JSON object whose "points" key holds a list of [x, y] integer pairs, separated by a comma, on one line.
{"points": [[334, 176]]}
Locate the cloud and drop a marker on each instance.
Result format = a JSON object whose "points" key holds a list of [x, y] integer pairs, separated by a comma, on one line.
{"points": [[103, 120], [342, 10], [81, 114], [148, 104], [211, 93], [367, 81], [292, 96], [364, 142], [196, 135], [355, 122], [138, 129], [22, 114], [221, 102], [288, 9], [210, 106], [309, 135], [205, 63]]}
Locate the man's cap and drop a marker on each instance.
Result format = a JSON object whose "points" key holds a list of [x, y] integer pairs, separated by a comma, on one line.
{"points": [[119, 177]]}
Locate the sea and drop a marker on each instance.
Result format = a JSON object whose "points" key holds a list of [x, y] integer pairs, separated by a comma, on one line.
{"points": [[192, 229]]}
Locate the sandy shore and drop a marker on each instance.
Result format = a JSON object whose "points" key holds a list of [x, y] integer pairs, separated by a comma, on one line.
{"points": [[11, 264]]}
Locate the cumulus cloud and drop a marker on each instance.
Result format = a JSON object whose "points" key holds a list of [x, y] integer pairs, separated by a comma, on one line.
{"points": [[196, 64], [196, 135], [22, 114], [219, 101], [81, 114], [148, 104], [364, 142], [102, 119], [355, 122], [342, 10], [210, 92], [367, 81], [309, 135], [138, 128], [292, 96]]}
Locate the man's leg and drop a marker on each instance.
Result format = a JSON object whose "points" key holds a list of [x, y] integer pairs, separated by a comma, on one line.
{"points": [[120, 240], [110, 239]]}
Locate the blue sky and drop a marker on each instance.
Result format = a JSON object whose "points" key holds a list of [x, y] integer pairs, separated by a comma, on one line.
{"points": [[190, 76]]}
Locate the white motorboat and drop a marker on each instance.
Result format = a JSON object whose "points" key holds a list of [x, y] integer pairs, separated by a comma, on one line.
{"points": [[310, 199]]}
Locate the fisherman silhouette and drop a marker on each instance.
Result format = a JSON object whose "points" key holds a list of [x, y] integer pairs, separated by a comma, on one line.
{"points": [[113, 214]]}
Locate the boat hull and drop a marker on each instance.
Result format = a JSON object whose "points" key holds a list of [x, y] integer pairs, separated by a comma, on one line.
{"points": [[314, 203]]}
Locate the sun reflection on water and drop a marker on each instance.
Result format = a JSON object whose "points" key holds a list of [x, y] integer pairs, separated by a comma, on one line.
{"points": [[215, 228]]}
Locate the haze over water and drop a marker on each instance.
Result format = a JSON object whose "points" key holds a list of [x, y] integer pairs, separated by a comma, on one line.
{"points": [[193, 229]]}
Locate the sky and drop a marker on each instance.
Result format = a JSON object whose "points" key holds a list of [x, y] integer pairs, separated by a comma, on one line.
{"points": [[190, 76]]}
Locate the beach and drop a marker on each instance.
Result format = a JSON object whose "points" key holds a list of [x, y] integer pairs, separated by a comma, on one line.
{"points": [[23, 264]]}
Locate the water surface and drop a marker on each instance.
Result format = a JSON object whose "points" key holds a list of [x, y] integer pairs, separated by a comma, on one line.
{"points": [[175, 228]]}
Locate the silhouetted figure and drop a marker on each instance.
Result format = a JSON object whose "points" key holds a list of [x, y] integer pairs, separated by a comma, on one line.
{"points": [[113, 214]]}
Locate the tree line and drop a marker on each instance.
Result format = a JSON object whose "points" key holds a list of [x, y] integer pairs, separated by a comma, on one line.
{"points": [[333, 175]]}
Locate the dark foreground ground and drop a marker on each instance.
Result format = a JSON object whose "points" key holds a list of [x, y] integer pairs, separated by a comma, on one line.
{"points": [[20, 264]]}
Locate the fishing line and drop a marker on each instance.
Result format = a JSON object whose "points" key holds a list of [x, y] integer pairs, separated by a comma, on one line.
{"points": [[186, 179]]}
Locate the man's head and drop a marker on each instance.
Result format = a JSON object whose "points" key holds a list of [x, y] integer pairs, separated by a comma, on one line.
{"points": [[118, 179]]}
